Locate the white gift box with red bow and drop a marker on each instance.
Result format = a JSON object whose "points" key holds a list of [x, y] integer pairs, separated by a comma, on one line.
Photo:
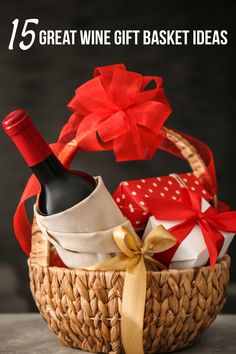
{"points": [[192, 251]]}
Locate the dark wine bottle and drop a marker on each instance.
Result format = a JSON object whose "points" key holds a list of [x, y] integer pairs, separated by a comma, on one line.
{"points": [[60, 188]]}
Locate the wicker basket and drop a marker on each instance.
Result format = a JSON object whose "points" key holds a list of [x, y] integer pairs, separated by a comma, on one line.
{"points": [[83, 307]]}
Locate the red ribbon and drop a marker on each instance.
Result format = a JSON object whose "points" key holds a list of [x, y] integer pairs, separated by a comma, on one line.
{"points": [[188, 209], [114, 111]]}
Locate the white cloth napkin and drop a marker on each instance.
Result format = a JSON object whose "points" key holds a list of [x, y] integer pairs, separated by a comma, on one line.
{"points": [[83, 234]]}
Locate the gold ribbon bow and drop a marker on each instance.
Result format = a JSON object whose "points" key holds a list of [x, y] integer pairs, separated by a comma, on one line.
{"points": [[134, 254]]}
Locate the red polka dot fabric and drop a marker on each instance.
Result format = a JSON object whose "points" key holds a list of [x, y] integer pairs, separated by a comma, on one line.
{"points": [[130, 196]]}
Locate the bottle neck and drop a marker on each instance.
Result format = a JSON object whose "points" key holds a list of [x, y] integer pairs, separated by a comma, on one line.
{"points": [[34, 149], [32, 146], [48, 170]]}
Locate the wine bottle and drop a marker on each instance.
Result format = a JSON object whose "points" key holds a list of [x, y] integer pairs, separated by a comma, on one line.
{"points": [[60, 188]]}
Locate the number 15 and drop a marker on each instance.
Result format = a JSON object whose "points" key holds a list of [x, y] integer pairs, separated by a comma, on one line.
{"points": [[25, 32]]}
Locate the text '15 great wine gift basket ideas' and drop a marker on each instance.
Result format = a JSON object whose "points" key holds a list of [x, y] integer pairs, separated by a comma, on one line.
{"points": [[145, 271]]}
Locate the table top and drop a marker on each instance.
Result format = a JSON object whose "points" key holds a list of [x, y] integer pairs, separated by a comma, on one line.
{"points": [[29, 334]]}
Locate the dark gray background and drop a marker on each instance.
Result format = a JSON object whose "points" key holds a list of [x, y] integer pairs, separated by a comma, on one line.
{"points": [[199, 83]]}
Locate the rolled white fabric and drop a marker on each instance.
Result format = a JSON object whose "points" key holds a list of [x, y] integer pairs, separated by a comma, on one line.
{"points": [[83, 234]]}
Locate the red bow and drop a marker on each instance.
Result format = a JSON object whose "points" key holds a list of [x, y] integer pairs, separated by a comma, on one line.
{"points": [[188, 209], [113, 111]]}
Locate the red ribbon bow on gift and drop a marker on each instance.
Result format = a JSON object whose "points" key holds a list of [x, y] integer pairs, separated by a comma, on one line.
{"points": [[113, 111], [188, 208]]}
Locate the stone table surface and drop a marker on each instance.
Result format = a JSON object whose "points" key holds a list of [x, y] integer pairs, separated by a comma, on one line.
{"points": [[28, 334]]}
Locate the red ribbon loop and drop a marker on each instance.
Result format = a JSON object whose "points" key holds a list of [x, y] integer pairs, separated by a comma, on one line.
{"points": [[188, 209], [115, 112]]}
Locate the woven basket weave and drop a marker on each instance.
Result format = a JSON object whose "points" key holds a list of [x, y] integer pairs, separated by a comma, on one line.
{"points": [[83, 307]]}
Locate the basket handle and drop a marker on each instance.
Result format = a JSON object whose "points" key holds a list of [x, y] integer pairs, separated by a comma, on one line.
{"points": [[176, 143], [197, 154]]}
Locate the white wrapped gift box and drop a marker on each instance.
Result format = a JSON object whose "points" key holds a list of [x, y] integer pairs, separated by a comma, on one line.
{"points": [[192, 252]]}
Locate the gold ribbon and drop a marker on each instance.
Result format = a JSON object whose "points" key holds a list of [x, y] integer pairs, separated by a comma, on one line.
{"points": [[134, 254]]}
